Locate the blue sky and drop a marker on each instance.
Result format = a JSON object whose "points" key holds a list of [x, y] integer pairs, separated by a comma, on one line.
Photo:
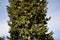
{"points": [[53, 24]]}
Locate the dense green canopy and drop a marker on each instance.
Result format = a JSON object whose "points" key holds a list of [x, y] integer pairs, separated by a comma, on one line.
{"points": [[28, 20]]}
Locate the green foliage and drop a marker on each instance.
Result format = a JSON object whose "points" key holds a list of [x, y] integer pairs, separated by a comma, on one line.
{"points": [[28, 20], [1, 38]]}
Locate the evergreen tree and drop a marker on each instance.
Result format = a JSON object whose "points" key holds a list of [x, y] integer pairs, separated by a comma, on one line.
{"points": [[28, 20]]}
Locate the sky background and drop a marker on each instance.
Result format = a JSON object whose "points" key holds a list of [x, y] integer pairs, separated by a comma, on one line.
{"points": [[53, 24]]}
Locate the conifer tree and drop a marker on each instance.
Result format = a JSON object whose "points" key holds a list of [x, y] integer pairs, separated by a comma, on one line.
{"points": [[28, 20]]}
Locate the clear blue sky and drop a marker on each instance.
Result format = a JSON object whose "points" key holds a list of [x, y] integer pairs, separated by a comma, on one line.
{"points": [[53, 24]]}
